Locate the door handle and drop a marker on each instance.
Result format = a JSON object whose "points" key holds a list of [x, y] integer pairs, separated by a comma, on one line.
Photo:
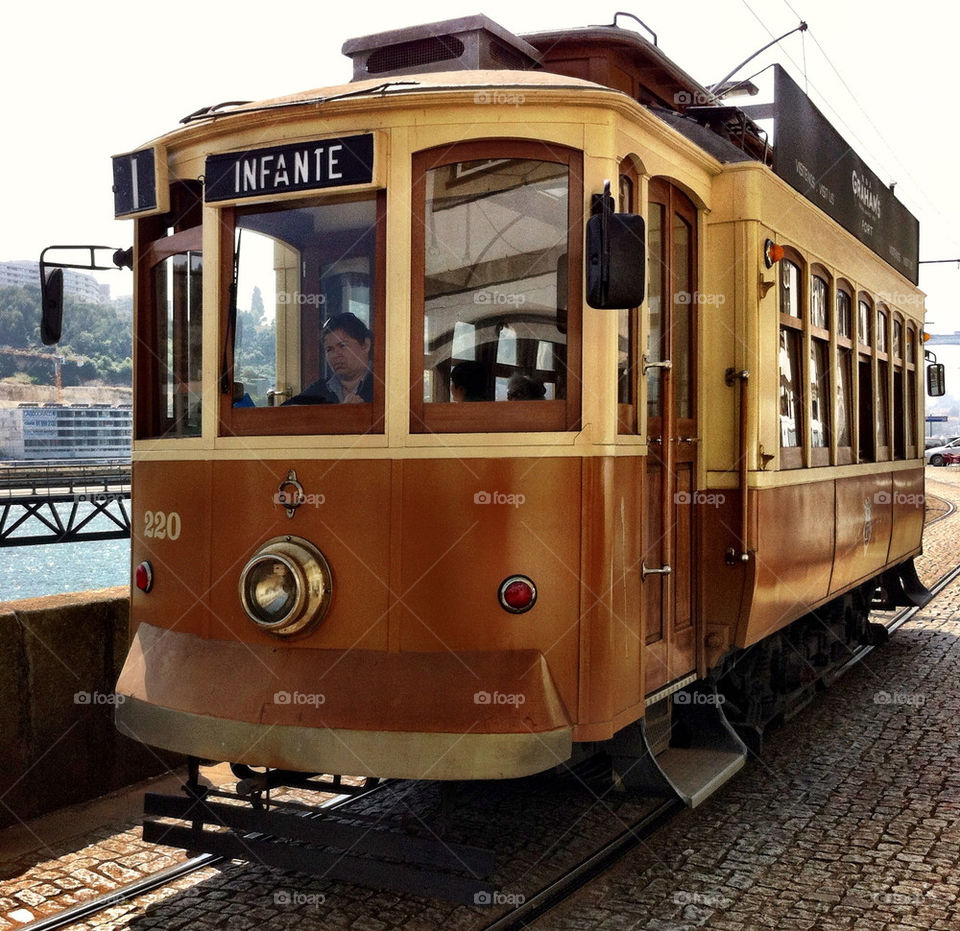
{"points": [[644, 571]]}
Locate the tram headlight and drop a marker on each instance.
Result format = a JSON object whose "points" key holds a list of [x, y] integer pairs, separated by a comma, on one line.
{"points": [[286, 586]]}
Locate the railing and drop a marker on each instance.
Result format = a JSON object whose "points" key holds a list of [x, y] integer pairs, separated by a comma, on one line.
{"points": [[60, 501]]}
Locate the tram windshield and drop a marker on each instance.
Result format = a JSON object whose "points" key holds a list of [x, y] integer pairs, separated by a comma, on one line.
{"points": [[304, 318]]}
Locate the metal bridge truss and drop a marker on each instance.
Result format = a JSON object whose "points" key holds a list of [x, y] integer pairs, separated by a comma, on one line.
{"points": [[41, 515], [34, 499]]}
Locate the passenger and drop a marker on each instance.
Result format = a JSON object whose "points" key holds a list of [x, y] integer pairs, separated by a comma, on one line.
{"points": [[347, 343], [524, 388], [468, 382]]}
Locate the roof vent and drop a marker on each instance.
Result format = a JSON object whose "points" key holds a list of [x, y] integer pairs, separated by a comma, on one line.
{"points": [[467, 44]]}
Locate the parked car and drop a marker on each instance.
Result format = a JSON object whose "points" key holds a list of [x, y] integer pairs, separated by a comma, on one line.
{"points": [[930, 441], [935, 456]]}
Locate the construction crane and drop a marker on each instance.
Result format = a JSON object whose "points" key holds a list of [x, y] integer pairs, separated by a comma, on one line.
{"points": [[57, 358]]}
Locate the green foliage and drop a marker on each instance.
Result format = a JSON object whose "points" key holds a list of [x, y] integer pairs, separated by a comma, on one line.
{"points": [[99, 334], [256, 353]]}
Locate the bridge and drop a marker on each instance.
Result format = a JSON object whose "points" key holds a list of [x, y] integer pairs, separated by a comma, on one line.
{"points": [[64, 501]]}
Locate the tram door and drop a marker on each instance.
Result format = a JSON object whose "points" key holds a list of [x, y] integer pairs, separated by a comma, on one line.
{"points": [[670, 503]]}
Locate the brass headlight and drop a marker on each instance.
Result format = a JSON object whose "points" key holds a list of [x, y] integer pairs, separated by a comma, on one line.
{"points": [[286, 586]]}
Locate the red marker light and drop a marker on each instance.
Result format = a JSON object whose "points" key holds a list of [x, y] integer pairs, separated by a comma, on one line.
{"points": [[517, 594], [143, 577]]}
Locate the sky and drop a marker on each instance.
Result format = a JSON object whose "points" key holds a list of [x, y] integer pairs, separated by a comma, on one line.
{"points": [[82, 82]]}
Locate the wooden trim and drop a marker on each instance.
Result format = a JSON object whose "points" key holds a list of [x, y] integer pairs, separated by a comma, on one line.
{"points": [[490, 416]]}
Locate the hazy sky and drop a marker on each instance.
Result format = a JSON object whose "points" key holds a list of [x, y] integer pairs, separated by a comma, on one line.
{"points": [[82, 82]]}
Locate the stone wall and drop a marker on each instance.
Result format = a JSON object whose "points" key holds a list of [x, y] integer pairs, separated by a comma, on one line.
{"points": [[60, 657]]}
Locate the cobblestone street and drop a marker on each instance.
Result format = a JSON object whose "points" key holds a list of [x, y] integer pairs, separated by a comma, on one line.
{"points": [[850, 819]]}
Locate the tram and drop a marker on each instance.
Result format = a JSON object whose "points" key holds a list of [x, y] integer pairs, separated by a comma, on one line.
{"points": [[512, 401]]}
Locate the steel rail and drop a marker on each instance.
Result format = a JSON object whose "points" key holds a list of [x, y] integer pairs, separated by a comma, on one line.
{"points": [[164, 877], [564, 886]]}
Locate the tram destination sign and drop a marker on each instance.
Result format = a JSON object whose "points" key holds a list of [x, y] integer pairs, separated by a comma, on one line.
{"points": [[812, 157], [281, 169]]}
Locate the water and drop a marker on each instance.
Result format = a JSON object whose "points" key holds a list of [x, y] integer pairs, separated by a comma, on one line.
{"points": [[55, 568]]}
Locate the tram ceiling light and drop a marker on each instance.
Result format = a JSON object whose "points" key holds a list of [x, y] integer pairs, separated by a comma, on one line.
{"points": [[772, 253]]}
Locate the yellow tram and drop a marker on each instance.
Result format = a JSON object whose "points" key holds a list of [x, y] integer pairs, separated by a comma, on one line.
{"points": [[427, 484]]}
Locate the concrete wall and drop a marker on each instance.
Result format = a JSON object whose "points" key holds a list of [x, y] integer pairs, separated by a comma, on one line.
{"points": [[60, 657]]}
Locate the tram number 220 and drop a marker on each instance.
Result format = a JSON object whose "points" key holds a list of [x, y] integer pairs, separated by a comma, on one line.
{"points": [[161, 525]]}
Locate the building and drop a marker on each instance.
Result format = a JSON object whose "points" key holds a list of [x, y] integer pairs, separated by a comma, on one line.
{"points": [[66, 431], [26, 274]]}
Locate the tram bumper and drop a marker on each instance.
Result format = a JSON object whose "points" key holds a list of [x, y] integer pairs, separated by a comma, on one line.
{"points": [[445, 715]]}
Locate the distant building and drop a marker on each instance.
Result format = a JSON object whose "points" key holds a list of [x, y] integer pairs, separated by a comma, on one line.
{"points": [[65, 431], [26, 274]]}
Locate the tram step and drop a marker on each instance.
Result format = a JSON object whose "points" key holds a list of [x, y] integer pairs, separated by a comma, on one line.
{"points": [[696, 774], [704, 750]]}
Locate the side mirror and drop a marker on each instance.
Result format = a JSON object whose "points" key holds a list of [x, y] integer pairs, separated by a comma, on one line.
{"points": [[51, 283], [616, 256], [936, 380], [51, 305]]}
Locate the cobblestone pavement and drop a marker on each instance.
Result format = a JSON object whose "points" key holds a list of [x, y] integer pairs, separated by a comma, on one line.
{"points": [[849, 820]]}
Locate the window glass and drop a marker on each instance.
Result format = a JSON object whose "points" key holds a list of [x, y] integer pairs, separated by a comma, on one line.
{"points": [[626, 351], [864, 319], [881, 331], [655, 286], [843, 314], [790, 396], [177, 296], [865, 424], [883, 405], [682, 316], [911, 407], [910, 344], [818, 302], [495, 256], [844, 395], [820, 393], [304, 305], [790, 289], [898, 339]]}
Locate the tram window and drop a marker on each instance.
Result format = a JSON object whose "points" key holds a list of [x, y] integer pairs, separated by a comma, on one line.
{"points": [[790, 396], [791, 372], [883, 405], [682, 316], [819, 393], [844, 321], [496, 243], [305, 345], [655, 290], [177, 303], [844, 395], [865, 414], [789, 289], [881, 331], [818, 303], [897, 339], [864, 319], [627, 324]]}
